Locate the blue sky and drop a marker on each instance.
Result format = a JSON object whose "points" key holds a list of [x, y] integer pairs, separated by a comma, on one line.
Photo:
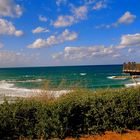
{"points": [[69, 32]]}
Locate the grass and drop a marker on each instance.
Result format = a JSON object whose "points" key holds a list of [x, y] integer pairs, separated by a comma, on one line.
{"points": [[81, 112]]}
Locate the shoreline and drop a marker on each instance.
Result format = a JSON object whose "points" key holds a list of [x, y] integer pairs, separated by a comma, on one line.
{"points": [[8, 90]]}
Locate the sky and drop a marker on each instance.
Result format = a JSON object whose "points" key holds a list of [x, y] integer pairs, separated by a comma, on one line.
{"points": [[69, 32]]}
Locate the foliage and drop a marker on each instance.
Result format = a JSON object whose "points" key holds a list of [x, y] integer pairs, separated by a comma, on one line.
{"points": [[77, 113]]}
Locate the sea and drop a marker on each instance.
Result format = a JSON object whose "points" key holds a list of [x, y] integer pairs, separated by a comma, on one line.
{"points": [[22, 82]]}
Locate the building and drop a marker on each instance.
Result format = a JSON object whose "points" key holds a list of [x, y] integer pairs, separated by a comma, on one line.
{"points": [[132, 68]]}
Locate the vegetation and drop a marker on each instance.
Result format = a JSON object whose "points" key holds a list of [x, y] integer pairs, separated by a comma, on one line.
{"points": [[75, 114]]}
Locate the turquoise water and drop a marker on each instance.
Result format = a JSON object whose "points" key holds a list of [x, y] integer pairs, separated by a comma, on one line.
{"points": [[82, 76]]}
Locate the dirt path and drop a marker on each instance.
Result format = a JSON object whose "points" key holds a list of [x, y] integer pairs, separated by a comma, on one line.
{"points": [[131, 135]]}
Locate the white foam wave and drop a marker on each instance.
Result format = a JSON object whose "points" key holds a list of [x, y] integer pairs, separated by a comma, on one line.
{"points": [[116, 78], [110, 77], [132, 84], [5, 85], [27, 76], [82, 74], [24, 81], [30, 81], [10, 90]]}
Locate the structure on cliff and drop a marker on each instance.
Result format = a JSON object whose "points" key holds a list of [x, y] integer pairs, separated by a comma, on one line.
{"points": [[132, 68]]}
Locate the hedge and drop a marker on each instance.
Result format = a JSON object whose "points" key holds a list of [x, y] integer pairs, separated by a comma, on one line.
{"points": [[78, 113]]}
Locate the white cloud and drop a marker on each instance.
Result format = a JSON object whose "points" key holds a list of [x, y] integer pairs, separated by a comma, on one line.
{"points": [[99, 5], [18, 33], [78, 13], [118, 55], [131, 50], [83, 53], [7, 28], [130, 40], [64, 21], [57, 55], [20, 58], [42, 18], [89, 53], [66, 35], [1, 45], [126, 18], [40, 30], [10, 8]]}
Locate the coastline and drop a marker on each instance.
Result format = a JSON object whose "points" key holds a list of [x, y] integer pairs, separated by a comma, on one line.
{"points": [[29, 82], [10, 91]]}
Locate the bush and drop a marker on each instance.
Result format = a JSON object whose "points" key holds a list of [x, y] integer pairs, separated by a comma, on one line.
{"points": [[78, 113]]}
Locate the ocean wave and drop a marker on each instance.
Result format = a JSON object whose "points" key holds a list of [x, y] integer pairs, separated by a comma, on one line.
{"points": [[5, 85], [83, 74], [110, 77], [117, 77], [132, 84], [10, 90], [30, 81], [23, 81]]}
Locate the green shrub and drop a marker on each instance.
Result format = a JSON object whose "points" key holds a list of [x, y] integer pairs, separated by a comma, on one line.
{"points": [[78, 113]]}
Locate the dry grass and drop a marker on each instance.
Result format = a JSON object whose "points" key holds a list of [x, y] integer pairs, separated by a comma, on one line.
{"points": [[48, 92], [44, 94]]}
